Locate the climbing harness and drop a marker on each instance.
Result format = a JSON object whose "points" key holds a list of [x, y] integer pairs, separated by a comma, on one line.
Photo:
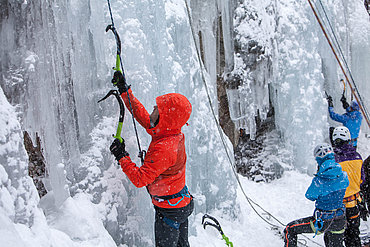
{"points": [[121, 112], [216, 225], [351, 198], [317, 226], [351, 83], [319, 222], [181, 194], [119, 67]]}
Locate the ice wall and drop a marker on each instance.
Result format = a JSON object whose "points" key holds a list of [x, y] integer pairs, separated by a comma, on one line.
{"points": [[301, 110], [57, 65], [24, 220], [212, 22], [350, 24], [19, 197], [247, 84], [284, 58], [303, 47]]}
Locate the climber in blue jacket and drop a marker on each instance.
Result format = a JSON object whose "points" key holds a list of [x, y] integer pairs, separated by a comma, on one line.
{"points": [[351, 119], [327, 189]]}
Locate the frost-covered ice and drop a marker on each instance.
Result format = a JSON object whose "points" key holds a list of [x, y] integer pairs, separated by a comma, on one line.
{"points": [[57, 65]]}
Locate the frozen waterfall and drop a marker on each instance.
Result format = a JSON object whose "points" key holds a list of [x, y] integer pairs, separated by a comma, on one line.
{"points": [[263, 60]]}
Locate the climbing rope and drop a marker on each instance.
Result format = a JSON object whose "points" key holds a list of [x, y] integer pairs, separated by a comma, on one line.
{"points": [[118, 63], [344, 59], [218, 125], [353, 87], [252, 203]]}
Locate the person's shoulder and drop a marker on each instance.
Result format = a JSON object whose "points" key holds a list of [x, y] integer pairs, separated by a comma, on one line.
{"points": [[358, 156]]}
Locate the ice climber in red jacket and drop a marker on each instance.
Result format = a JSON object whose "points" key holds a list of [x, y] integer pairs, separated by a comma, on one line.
{"points": [[163, 171]]}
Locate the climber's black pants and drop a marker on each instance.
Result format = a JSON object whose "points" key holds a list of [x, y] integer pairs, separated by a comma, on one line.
{"points": [[171, 226], [352, 233], [304, 226]]}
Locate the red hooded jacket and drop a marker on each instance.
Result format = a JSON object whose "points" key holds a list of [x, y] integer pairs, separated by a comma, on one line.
{"points": [[163, 171]]}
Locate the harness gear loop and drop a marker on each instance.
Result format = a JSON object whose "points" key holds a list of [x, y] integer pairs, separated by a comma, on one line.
{"points": [[319, 223]]}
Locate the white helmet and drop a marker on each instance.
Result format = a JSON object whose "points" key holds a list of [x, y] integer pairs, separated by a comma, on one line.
{"points": [[341, 133], [322, 150]]}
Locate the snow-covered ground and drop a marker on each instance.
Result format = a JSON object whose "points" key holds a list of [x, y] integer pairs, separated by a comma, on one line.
{"points": [[283, 198]]}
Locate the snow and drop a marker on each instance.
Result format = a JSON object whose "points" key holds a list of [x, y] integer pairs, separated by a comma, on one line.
{"points": [[284, 199], [249, 229], [87, 226]]}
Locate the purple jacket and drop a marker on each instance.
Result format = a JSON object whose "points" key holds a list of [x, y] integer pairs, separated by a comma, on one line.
{"points": [[351, 162]]}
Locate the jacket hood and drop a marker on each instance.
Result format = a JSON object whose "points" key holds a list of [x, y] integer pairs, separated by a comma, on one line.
{"points": [[329, 156], [354, 106], [328, 168], [174, 111]]}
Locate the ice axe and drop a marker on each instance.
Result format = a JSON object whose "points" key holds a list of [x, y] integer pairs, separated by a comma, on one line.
{"points": [[119, 67], [216, 225], [344, 86], [121, 112]]}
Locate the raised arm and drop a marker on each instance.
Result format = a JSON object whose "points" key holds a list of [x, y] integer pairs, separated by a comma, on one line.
{"points": [[139, 111], [337, 117]]}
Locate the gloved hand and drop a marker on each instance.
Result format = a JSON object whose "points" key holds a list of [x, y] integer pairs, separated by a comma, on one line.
{"points": [[118, 149], [344, 102], [120, 81], [330, 101], [363, 210]]}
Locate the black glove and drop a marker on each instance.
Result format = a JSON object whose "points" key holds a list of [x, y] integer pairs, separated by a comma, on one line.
{"points": [[330, 101], [344, 102], [363, 210], [118, 149], [120, 81]]}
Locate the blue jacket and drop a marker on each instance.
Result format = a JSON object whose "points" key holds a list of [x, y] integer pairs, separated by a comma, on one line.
{"points": [[328, 186], [351, 119]]}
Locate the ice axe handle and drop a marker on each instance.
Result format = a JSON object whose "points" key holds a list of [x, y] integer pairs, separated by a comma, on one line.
{"points": [[122, 113]]}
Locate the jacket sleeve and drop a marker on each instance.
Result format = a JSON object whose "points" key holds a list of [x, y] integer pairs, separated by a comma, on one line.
{"points": [[363, 176], [140, 113], [337, 117], [156, 162], [313, 191]]}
